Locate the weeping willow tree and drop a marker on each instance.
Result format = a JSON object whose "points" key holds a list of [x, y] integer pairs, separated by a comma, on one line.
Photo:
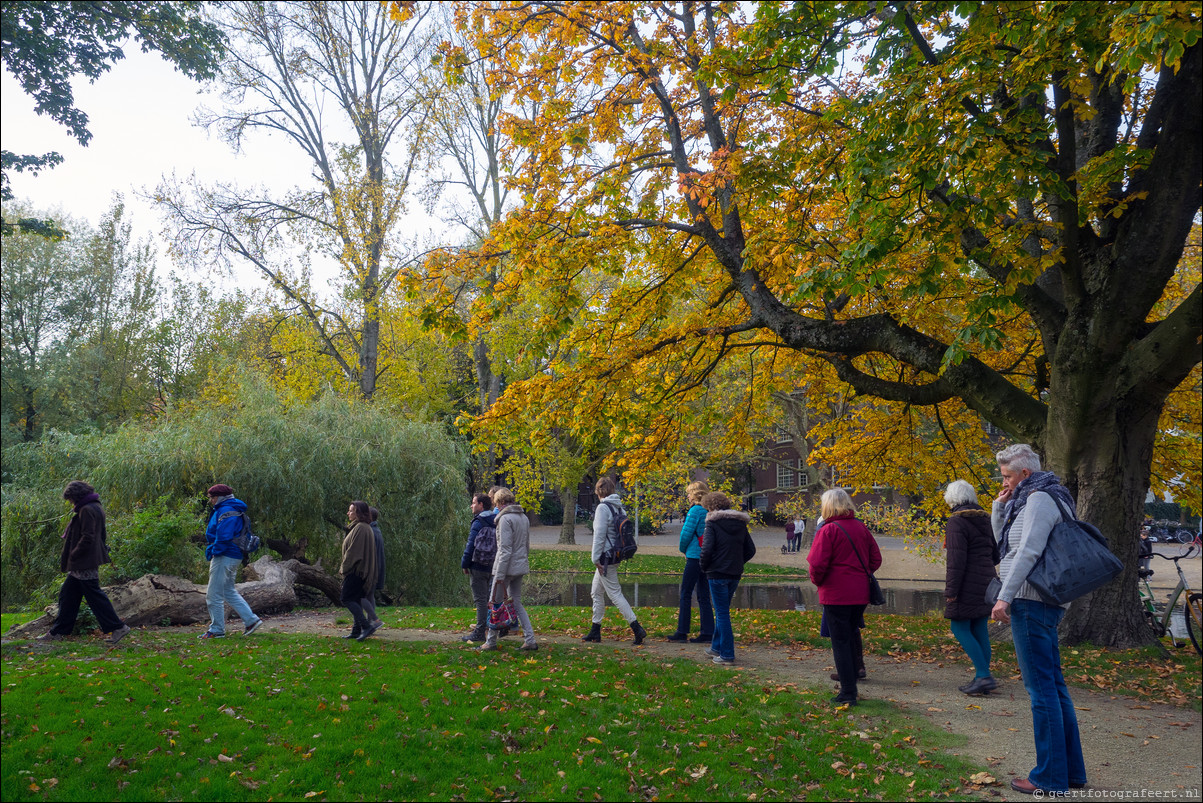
{"points": [[296, 464]]}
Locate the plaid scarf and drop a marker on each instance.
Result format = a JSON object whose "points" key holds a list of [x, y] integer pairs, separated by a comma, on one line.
{"points": [[1045, 481]]}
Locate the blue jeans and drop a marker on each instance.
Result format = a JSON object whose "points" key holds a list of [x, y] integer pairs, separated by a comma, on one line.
{"points": [[721, 592], [975, 640], [223, 570], [1059, 759], [692, 578]]}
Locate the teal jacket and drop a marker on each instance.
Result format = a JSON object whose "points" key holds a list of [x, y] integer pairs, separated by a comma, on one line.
{"points": [[691, 531]]}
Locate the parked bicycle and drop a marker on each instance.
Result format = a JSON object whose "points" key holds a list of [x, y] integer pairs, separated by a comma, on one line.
{"points": [[1182, 602]]}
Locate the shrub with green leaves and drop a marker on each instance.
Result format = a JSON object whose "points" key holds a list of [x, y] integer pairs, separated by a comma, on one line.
{"points": [[156, 539], [31, 521], [297, 464]]}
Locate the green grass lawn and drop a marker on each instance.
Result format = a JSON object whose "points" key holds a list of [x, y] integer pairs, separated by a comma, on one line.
{"points": [[294, 717], [559, 560]]}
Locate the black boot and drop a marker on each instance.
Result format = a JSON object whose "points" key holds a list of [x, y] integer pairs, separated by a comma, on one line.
{"points": [[594, 634], [640, 633]]}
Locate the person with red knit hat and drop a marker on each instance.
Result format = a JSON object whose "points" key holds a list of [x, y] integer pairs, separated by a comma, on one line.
{"points": [[224, 555]]}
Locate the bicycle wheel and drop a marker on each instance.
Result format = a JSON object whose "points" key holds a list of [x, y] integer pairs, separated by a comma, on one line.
{"points": [[1194, 620], [1185, 536]]}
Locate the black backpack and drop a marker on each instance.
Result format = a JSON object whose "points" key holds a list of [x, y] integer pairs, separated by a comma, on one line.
{"points": [[623, 546], [246, 540], [484, 548]]}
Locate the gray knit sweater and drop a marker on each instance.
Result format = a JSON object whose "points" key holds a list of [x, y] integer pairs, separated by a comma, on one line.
{"points": [[1029, 534]]}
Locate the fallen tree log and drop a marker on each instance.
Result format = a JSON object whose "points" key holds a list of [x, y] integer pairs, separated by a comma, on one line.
{"points": [[314, 576], [155, 599]]}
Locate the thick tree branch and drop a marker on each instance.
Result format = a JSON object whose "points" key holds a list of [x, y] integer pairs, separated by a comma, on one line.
{"points": [[1159, 362]]}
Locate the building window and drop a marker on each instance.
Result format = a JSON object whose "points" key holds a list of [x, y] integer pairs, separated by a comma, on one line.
{"points": [[785, 476], [784, 436]]}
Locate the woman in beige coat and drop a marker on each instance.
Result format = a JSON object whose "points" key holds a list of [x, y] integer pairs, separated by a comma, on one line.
{"points": [[511, 564], [359, 567]]}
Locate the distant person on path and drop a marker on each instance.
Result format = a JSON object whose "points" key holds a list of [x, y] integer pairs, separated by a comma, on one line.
{"points": [[1023, 515], [789, 537], [605, 579], [369, 598], [842, 551], [511, 565], [726, 547], [971, 555], [85, 549], [224, 556], [479, 572], [1145, 551], [691, 545], [359, 568]]}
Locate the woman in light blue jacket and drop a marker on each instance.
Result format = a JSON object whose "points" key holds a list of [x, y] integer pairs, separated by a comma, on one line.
{"points": [[691, 545]]}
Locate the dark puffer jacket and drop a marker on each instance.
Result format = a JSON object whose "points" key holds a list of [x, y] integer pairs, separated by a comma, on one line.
{"points": [[726, 544], [972, 556]]}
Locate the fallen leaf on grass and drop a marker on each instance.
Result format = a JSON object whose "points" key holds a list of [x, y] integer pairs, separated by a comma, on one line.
{"points": [[223, 757], [983, 779]]}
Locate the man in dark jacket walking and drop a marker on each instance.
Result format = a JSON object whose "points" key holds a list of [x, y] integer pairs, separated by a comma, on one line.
{"points": [[84, 551], [483, 515], [369, 598]]}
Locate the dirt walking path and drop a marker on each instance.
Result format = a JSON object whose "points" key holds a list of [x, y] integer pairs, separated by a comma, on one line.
{"points": [[1133, 749]]}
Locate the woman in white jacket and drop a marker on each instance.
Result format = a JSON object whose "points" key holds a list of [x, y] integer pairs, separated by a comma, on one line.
{"points": [[605, 579], [511, 564]]}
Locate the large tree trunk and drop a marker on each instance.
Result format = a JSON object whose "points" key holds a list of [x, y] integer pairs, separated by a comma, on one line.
{"points": [[568, 522], [1103, 451], [488, 386], [155, 599]]}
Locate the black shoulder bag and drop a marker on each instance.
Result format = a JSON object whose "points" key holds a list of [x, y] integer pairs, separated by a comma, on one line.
{"points": [[876, 597]]}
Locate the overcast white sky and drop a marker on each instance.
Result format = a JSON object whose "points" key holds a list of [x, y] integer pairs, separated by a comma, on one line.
{"points": [[140, 116]]}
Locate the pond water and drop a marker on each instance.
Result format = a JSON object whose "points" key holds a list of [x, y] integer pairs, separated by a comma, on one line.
{"points": [[563, 589]]}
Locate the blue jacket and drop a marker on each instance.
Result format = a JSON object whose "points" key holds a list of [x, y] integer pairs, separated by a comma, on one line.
{"points": [[219, 536], [484, 519], [691, 531]]}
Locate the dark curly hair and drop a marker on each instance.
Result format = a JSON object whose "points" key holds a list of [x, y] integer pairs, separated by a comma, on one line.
{"points": [[76, 490]]}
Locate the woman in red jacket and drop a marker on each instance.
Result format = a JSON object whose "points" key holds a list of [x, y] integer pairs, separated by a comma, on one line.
{"points": [[841, 558]]}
